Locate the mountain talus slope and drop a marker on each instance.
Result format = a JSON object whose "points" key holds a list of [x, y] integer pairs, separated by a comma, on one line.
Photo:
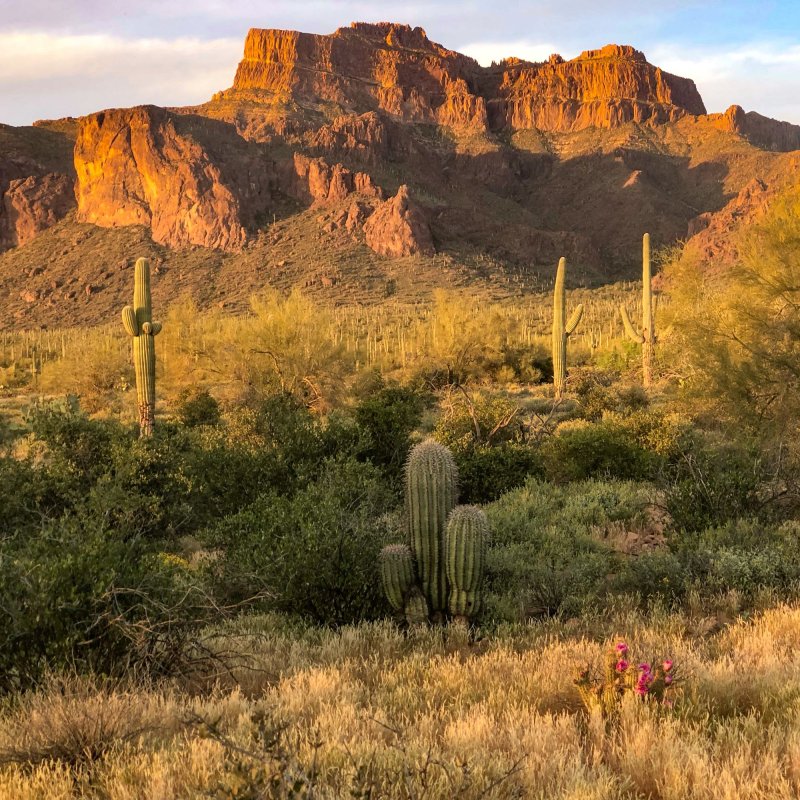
{"points": [[374, 161]]}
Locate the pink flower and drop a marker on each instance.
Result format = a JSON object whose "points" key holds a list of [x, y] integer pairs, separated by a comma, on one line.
{"points": [[622, 648], [667, 665], [667, 680], [668, 703], [641, 689], [622, 665], [644, 667]]}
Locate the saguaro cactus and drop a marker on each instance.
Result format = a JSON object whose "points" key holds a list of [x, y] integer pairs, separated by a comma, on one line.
{"points": [[397, 573], [465, 552], [647, 338], [431, 494], [138, 323], [562, 329]]}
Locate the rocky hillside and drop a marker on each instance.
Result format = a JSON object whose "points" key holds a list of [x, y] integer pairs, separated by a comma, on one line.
{"points": [[391, 163]]}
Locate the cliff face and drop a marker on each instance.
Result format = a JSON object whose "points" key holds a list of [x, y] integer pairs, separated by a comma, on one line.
{"points": [[601, 88], [288, 171], [764, 132], [394, 68], [398, 70], [193, 181]]}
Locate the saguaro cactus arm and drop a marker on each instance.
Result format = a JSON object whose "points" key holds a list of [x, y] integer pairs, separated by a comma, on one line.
{"points": [[129, 321], [629, 329], [574, 320]]}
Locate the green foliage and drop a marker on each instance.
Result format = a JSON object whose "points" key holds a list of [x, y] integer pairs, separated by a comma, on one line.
{"points": [[388, 416], [70, 591], [596, 450], [196, 408], [313, 553], [487, 473], [736, 332], [544, 558], [711, 484]]}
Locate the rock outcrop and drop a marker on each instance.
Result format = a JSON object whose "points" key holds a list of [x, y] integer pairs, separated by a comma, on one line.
{"points": [[764, 132], [313, 180], [191, 180], [398, 70], [713, 235], [366, 67], [398, 227], [33, 204], [600, 88]]}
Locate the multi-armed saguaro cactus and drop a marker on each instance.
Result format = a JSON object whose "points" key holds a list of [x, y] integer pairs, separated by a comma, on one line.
{"points": [[465, 553], [647, 338], [562, 329], [443, 566], [138, 323]]}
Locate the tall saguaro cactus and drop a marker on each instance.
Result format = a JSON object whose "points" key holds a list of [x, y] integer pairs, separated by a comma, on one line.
{"points": [[562, 329], [647, 338], [138, 323], [431, 494]]}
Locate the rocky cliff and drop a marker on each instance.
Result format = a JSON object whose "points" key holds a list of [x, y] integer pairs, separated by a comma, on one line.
{"points": [[493, 171], [398, 70]]}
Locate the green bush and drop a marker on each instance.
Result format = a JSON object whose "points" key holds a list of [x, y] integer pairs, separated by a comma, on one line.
{"points": [[388, 417], [596, 450], [196, 408], [315, 553], [710, 485], [76, 595], [486, 473], [543, 558]]}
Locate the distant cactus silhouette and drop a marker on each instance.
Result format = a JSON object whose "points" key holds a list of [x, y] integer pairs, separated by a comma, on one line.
{"points": [[562, 329], [138, 323], [647, 338]]}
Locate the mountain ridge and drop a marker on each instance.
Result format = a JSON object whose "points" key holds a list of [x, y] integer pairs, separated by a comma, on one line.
{"points": [[519, 162]]}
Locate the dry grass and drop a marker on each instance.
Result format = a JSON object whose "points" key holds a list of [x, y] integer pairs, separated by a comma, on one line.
{"points": [[370, 712]]}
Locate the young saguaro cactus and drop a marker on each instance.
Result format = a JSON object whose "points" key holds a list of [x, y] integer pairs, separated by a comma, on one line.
{"points": [[465, 551], [138, 323], [647, 338], [562, 329], [431, 494]]}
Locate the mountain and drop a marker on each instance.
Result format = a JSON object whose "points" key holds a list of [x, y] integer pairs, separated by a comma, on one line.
{"points": [[375, 162]]}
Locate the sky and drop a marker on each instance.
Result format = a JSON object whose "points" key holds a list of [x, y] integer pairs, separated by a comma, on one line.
{"points": [[69, 57]]}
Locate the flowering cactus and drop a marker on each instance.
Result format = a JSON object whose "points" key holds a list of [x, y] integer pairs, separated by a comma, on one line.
{"points": [[622, 677]]}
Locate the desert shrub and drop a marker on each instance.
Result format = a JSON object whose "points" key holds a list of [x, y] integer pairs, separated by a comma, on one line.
{"points": [[711, 484], [196, 407], [486, 473], [66, 590], [596, 450], [543, 558], [388, 416], [486, 420], [314, 553]]}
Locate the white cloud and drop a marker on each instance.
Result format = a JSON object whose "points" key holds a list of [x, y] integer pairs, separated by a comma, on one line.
{"points": [[763, 77], [47, 75], [486, 52]]}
